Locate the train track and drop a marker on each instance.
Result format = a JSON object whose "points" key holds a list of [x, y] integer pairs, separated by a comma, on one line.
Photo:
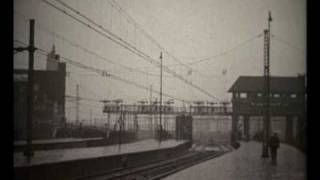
{"points": [[158, 170]]}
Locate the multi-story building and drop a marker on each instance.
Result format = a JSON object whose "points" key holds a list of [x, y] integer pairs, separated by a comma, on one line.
{"points": [[49, 99], [287, 100]]}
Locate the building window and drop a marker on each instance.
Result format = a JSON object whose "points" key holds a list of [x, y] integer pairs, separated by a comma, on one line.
{"points": [[243, 95], [259, 95], [276, 95], [293, 95]]}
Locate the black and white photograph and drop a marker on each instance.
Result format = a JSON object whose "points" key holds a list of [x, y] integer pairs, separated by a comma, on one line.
{"points": [[159, 89]]}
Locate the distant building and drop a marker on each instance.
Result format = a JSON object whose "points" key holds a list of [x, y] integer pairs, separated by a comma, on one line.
{"points": [[53, 60], [49, 99], [287, 100]]}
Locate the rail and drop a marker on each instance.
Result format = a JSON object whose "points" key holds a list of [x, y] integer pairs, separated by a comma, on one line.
{"points": [[160, 169]]}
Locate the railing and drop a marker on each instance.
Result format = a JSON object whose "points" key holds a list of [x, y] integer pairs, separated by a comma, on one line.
{"points": [[154, 109]]}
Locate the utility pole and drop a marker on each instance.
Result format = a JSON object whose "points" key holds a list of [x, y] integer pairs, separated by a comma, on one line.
{"points": [[77, 104], [160, 128], [92, 121], [29, 153], [120, 127], [151, 115], [31, 48], [266, 132], [109, 125]]}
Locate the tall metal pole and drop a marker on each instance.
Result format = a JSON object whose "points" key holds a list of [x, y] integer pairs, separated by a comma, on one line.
{"points": [[120, 127], [109, 125], [91, 120], [29, 153], [160, 128], [151, 115], [266, 135], [77, 104]]}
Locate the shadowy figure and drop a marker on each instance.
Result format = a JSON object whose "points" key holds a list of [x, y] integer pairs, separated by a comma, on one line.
{"points": [[274, 144]]}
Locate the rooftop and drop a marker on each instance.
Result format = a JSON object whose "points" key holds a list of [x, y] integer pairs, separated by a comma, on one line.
{"points": [[277, 84]]}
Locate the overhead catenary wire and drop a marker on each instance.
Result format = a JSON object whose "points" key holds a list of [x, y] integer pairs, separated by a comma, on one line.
{"points": [[86, 50], [280, 39], [89, 91], [138, 26], [102, 73], [130, 69], [92, 92], [224, 53], [92, 105], [81, 74], [106, 33], [111, 36], [187, 65], [82, 98], [44, 52], [221, 54], [227, 51], [99, 71]]}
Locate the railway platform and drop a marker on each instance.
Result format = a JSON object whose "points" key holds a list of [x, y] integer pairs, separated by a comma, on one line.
{"points": [[60, 143], [63, 155], [81, 162], [246, 163]]}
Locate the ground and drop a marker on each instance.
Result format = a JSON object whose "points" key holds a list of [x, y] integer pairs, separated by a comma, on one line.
{"points": [[246, 163]]}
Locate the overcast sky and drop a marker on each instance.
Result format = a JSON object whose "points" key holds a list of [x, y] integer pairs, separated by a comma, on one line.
{"points": [[190, 30]]}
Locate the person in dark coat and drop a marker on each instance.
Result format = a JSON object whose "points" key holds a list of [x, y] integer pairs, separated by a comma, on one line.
{"points": [[274, 144]]}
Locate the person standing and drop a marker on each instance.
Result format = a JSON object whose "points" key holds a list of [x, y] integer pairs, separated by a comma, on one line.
{"points": [[274, 144]]}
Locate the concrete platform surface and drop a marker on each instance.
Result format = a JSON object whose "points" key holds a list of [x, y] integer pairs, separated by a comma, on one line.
{"points": [[246, 163], [60, 140], [60, 155]]}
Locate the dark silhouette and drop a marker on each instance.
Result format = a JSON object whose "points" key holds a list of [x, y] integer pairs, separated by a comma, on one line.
{"points": [[274, 144]]}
